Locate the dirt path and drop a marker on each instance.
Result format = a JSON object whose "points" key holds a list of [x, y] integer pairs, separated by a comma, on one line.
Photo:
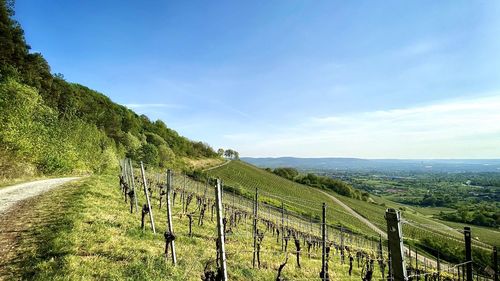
{"points": [[376, 229], [22, 217], [9, 196], [215, 167], [358, 216]]}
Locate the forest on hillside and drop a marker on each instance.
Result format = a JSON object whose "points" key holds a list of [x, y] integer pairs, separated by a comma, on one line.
{"points": [[52, 126]]}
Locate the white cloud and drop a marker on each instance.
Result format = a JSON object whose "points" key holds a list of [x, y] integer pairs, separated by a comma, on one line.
{"points": [[461, 128]]}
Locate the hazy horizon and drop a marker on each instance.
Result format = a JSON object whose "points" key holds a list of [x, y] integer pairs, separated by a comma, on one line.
{"points": [[360, 158]]}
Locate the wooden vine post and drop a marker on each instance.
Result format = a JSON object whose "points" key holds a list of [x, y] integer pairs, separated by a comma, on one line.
{"points": [[468, 252], [324, 267], [438, 268], [133, 184], [147, 198], [390, 276], [395, 237], [183, 194], [495, 263], [282, 226], [255, 214], [416, 261], [342, 244], [169, 215], [220, 231], [381, 257], [122, 171]]}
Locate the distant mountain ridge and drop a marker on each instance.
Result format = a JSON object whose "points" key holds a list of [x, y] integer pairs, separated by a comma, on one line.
{"points": [[396, 165]]}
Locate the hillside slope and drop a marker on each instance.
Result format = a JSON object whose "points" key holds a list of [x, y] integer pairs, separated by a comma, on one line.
{"points": [[245, 178], [95, 237], [51, 126], [430, 235]]}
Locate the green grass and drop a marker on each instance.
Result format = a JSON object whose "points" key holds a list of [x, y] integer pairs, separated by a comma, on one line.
{"points": [[484, 234], [418, 225], [431, 211], [86, 232], [246, 177], [302, 198]]}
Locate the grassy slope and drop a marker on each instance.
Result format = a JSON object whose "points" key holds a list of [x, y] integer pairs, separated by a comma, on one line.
{"points": [[86, 232], [247, 177], [430, 211], [203, 163], [426, 223], [485, 234]]}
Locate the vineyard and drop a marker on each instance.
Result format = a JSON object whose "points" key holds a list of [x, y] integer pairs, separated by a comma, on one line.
{"points": [[245, 178], [110, 231], [285, 237], [416, 227]]}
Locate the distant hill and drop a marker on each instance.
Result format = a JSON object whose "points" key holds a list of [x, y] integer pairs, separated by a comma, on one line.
{"points": [[385, 165]]}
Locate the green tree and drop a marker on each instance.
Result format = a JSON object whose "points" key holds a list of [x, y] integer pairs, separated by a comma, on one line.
{"points": [[148, 153], [166, 156]]}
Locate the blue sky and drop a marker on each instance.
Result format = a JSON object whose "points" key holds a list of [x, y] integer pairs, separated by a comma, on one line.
{"points": [[372, 79]]}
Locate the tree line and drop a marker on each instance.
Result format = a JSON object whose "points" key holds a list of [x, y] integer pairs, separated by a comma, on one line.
{"points": [[49, 125], [228, 153], [322, 182]]}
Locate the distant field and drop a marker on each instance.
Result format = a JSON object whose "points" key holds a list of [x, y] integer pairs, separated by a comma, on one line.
{"points": [[430, 211], [419, 224], [484, 234]]}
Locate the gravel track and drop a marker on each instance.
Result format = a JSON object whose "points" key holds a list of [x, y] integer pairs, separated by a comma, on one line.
{"points": [[378, 230], [11, 195]]}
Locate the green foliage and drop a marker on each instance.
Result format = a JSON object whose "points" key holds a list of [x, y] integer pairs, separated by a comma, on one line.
{"points": [[131, 143], [454, 252], [20, 119], [323, 182], [86, 233], [166, 156], [296, 197], [481, 214], [447, 251], [231, 154], [61, 127], [198, 175], [32, 133], [154, 139], [148, 153], [467, 197], [288, 173]]}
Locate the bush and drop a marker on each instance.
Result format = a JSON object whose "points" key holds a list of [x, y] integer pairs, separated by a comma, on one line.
{"points": [[148, 154]]}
